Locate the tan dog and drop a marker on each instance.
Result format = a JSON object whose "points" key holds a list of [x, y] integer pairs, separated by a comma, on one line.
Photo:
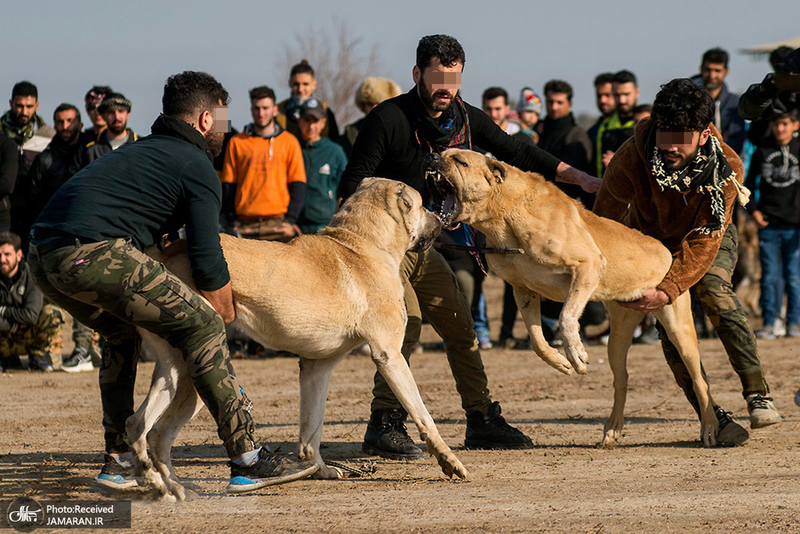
{"points": [[570, 255], [318, 296]]}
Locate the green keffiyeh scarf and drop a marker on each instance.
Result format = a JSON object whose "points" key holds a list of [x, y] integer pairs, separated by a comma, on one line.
{"points": [[707, 173], [20, 135]]}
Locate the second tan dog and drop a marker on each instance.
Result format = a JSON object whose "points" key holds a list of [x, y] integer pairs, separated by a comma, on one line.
{"points": [[570, 255], [318, 296]]}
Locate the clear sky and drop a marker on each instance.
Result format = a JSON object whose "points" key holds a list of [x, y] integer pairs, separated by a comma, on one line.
{"points": [[66, 46]]}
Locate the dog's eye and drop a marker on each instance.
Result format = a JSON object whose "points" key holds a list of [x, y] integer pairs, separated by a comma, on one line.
{"points": [[406, 203], [459, 162]]}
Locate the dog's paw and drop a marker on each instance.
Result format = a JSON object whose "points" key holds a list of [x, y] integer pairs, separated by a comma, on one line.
{"points": [[328, 473], [452, 466], [578, 358]]}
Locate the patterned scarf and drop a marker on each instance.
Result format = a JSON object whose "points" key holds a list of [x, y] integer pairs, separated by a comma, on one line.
{"points": [[708, 173], [20, 135]]}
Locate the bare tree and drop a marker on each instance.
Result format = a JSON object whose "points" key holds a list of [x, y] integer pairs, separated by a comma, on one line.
{"points": [[333, 52]]}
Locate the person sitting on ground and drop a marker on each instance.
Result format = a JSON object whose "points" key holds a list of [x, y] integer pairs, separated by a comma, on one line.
{"points": [[27, 324]]}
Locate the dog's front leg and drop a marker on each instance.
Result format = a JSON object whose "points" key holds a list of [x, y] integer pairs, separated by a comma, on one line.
{"points": [[679, 324], [528, 303], [623, 323], [585, 278], [315, 375], [395, 370]]}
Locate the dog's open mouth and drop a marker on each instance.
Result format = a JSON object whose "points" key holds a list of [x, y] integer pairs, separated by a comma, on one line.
{"points": [[445, 205]]}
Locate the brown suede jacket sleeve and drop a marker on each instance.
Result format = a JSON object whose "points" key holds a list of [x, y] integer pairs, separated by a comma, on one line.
{"points": [[669, 216]]}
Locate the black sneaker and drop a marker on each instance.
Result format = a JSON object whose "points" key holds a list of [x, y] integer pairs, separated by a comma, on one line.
{"points": [[80, 360], [116, 475], [387, 437], [492, 432], [270, 469], [731, 433], [40, 363]]}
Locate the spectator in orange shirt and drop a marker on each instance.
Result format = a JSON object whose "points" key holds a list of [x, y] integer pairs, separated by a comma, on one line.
{"points": [[263, 178]]}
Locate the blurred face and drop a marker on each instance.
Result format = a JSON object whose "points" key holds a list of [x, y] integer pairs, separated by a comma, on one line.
{"points": [[497, 109], [263, 111], [528, 117], [678, 149], [783, 129], [9, 260], [625, 97], [713, 75], [641, 116], [303, 85], [311, 128], [558, 105], [98, 122], [67, 126], [116, 121], [23, 108], [604, 97], [438, 85]]}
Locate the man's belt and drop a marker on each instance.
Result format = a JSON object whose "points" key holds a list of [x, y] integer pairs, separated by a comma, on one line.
{"points": [[46, 240]]}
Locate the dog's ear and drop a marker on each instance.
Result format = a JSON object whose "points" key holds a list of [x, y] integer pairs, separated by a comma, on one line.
{"points": [[497, 169]]}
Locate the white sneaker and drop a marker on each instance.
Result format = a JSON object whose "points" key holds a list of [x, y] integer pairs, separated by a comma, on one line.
{"points": [[79, 361], [762, 411], [767, 332]]}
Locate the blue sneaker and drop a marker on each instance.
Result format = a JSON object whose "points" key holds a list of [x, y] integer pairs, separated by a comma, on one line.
{"points": [[270, 469], [484, 342], [116, 474]]}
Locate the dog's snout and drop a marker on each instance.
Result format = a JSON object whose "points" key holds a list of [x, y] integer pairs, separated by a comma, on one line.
{"points": [[432, 159]]}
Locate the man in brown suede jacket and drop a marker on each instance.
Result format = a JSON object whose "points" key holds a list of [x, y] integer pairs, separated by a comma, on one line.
{"points": [[681, 182]]}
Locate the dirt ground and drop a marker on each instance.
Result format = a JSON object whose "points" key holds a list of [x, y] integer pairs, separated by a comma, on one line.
{"points": [[659, 480]]}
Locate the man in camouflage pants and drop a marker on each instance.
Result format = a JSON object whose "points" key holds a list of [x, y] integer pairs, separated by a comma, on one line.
{"points": [[87, 256], [27, 325], [679, 182]]}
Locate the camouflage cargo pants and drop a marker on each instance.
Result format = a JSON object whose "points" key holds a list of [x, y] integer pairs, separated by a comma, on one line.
{"points": [[715, 293], [112, 287], [38, 340]]}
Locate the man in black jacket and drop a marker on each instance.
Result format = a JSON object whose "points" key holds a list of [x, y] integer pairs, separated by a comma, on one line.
{"points": [[87, 256], [392, 143], [27, 325], [50, 170]]}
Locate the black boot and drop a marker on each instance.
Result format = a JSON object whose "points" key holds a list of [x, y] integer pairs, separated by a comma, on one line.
{"points": [[387, 437], [491, 431]]}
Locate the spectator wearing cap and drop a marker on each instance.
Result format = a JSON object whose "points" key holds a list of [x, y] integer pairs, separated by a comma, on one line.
{"points": [[370, 93], [529, 109], [303, 83], [263, 178], [115, 110], [94, 97], [324, 162]]}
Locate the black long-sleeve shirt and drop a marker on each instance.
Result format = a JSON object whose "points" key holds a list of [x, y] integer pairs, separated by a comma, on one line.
{"points": [[145, 190], [20, 300], [387, 146]]}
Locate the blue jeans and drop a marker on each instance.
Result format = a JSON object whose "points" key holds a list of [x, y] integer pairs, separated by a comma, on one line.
{"points": [[779, 253]]}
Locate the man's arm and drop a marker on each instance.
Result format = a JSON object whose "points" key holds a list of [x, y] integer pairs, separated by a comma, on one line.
{"points": [[367, 154], [296, 182], [487, 135], [222, 300], [27, 313], [9, 162]]}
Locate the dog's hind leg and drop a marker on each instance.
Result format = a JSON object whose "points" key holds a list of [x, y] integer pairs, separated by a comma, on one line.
{"points": [[183, 407], [678, 322], [623, 323], [315, 375], [163, 387], [395, 370], [528, 303], [586, 277]]}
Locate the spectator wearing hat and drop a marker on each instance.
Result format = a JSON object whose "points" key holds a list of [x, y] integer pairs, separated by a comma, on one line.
{"points": [[324, 162], [263, 178], [369, 94], [303, 83], [94, 97], [115, 110], [529, 109]]}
